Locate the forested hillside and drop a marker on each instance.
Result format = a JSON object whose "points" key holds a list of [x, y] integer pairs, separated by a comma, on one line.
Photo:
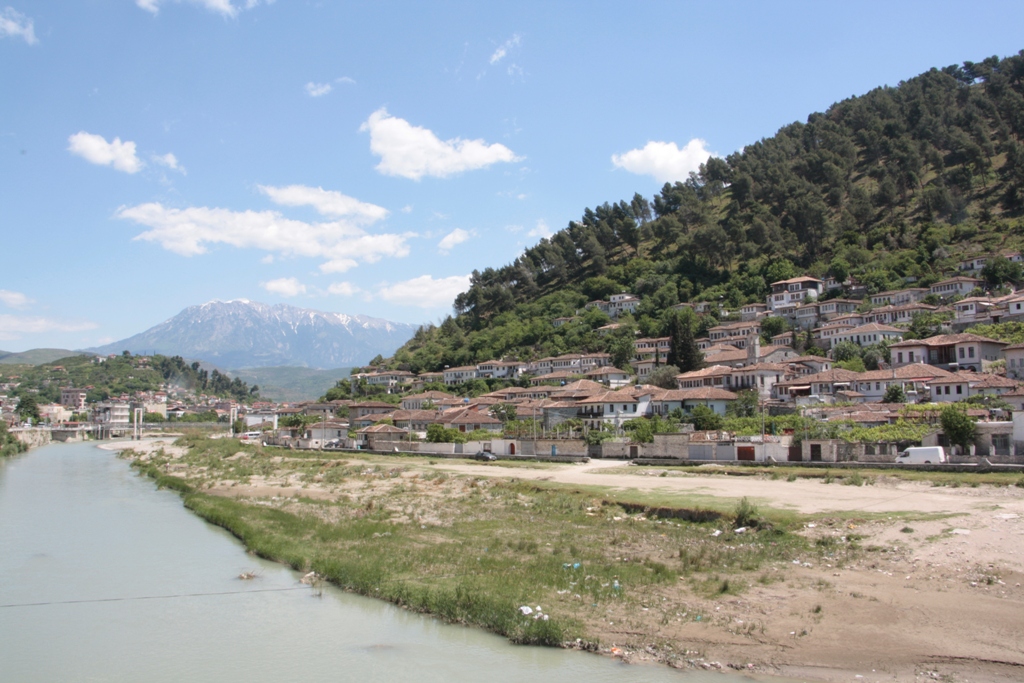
{"points": [[117, 375], [893, 185]]}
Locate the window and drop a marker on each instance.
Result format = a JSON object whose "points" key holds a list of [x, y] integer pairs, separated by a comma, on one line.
{"points": [[910, 356], [959, 388], [947, 390], [899, 357], [878, 386], [970, 351], [961, 352]]}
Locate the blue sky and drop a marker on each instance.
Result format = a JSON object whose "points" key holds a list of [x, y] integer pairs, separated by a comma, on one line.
{"points": [[365, 157]]}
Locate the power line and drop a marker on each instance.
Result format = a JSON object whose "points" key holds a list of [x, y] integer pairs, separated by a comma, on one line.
{"points": [[152, 597]]}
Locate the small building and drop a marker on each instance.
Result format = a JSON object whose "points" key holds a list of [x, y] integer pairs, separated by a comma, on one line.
{"points": [[949, 351], [956, 286], [867, 335], [73, 398], [460, 375], [957, 386], [793, 292], [322, 432], [753, 312], [364, 408], [609, 376], [382, 437], [836, 307], [898, 297], [470, 421], [424, 400]]}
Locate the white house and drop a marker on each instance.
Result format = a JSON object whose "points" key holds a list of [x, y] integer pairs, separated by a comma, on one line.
{"points": [[957, 386], [787, 294], [866, 335], [664, 402], [613, 408], [954, 351], [1014, 355], [956, 286], [458, 375]]}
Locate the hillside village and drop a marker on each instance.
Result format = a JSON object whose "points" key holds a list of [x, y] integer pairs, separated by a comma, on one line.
{"points": [[845, 361]]}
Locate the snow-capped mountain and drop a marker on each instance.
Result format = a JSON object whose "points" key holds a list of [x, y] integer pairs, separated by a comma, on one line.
{"points": [[242, 333]]}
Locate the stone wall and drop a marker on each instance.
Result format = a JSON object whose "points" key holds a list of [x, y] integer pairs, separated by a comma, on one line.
{"points": [[32, 436]]}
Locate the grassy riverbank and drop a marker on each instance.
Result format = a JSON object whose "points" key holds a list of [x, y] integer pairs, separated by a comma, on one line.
{"points": [[473, 550]]}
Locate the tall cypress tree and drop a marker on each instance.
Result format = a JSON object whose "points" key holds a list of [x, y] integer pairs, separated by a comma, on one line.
{"points": [[682, 350]]}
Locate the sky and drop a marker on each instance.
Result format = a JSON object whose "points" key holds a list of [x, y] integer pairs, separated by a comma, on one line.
{"points": [[366, 157]]}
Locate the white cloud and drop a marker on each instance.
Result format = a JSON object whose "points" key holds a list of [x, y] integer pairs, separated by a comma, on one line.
{"points": [[189, 231], [14, 24], [343, 289], [664, 160], [339, 265], [413, 152], [326, 202], [170, 161], [12, 326], [456, 236], [95, 149], [317, 89], [222, 7], [285, 286], [345, 79], [14, 299], [503, 49], [542, 230], [425, 291], [268, 259]]}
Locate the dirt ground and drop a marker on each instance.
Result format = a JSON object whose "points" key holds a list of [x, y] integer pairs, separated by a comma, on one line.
{"points": [[934, 596]]}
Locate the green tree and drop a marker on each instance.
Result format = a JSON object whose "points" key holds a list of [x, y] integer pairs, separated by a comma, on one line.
{"points": [[28, 408], [506, 412], [1000, 269], [746, 405], [845, 351], [664, 377], [440, 434], [924, 325], [705, 419], [771, 326], [640, 430], [683, 352], [894, 394], [957, 425]]}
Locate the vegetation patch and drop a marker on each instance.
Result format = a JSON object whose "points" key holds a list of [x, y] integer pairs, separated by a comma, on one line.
{"points": [[475, 551]]}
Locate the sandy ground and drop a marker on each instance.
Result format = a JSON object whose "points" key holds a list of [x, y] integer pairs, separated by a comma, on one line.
{"points": [[932, 599]]}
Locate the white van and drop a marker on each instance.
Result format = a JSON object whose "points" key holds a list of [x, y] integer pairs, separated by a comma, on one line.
{"points": [[921, 455]]}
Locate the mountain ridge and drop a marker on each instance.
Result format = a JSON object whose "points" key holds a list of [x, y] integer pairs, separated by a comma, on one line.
{"points": [[241, 333]]}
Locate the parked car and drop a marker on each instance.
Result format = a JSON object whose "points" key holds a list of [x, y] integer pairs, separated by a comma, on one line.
{"points": [[486, 457], [922, 455]]}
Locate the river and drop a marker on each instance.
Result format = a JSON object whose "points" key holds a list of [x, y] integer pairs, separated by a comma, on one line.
{"points": [[105, 578]]}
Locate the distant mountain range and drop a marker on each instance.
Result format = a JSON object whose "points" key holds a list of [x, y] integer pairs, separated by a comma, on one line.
{"points": [[248, 334]]}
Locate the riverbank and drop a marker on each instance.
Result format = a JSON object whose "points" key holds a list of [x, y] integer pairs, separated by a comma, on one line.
{"points": [[812, 585]]}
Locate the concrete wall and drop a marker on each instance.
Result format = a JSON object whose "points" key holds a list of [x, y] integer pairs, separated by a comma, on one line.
{"points": [[563, 446]]}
